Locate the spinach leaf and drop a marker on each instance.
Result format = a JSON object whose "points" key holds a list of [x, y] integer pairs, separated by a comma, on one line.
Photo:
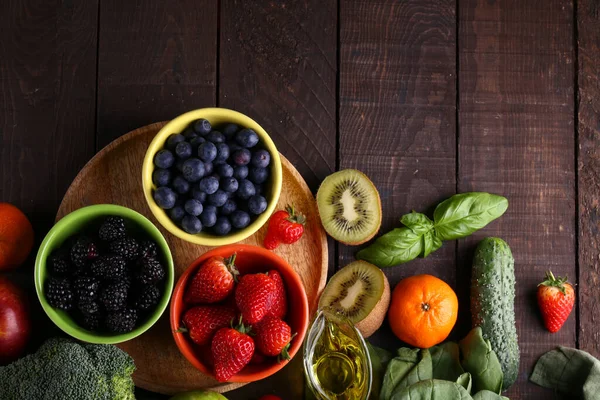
{"points": [[379, 361], [417, 222], [481, 361], [432, 389], [399, 246], [463, 214], [487, 395], [465, 381], [445, 360], [407, 368]]}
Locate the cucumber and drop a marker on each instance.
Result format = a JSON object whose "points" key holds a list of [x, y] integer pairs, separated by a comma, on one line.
{"points": [[493, 303]]}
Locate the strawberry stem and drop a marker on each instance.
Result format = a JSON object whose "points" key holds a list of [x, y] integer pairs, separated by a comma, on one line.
{"points": [[295, 218], [557, 282], [230, 264], [240, 327], [285, 355], [181, 329]]}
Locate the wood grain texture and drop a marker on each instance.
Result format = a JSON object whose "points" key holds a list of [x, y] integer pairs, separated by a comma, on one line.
{"points": [[156, 60], [397, 115], [160, 365], [588, 22], [516, 138]]}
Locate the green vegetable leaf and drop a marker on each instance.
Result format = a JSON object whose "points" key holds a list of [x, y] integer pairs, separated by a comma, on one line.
{"points": [[465, 213], [398, 246], [417, 222], [465, 381], [379, 361], [407, 368], [431, 242], [481, 361], [445, 360], [432, 389], [487, 395]]}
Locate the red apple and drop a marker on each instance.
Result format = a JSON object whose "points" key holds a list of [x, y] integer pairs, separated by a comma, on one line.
{"points": [[14, 322]]}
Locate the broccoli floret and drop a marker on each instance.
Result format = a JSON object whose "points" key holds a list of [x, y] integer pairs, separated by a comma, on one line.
{"points": [[64, 369]]}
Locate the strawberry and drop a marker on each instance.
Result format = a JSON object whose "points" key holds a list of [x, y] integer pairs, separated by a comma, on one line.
{"points": [[556, 298], [258, 358], [213, 282], [284, 227], [254, 296], [232, 350], [279, 306], [203, 321], [273, 337]]}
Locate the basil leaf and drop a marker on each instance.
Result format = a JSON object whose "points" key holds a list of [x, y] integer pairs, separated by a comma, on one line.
{"points": [[431, 242], [417, 222], [465, 213], [398, 246]]}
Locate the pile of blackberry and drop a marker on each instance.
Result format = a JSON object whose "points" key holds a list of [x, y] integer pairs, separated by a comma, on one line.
{"points": [[108, 281], [212, 180]]}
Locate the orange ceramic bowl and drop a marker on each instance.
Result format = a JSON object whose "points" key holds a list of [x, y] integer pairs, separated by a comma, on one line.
{"points": [[249, 259]]}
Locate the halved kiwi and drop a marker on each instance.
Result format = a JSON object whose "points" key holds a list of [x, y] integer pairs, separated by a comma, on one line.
{"points": [[361, 292], [349, 206]]}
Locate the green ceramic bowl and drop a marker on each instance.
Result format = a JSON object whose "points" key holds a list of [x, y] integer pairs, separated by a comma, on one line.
{"points": [[79, 221]]}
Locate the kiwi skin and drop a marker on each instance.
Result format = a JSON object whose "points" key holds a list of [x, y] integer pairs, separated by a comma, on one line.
{"points": [[366, 239], [374, 320]]}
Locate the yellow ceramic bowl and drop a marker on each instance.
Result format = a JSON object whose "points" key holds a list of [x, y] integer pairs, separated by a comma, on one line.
{"points": [[216, 116]]}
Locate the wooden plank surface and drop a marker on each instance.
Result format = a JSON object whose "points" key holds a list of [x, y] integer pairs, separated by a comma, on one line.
{"points": [[517, 139], [397, 115], [588, 25]]}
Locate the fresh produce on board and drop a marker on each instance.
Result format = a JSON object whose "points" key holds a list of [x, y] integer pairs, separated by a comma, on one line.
{"points": [[285, 226], [16, 237], [254, 297], [493, 302], [15, 324], [202, 322], [279, 305], [231, 350], [361, 292], [349, 207], [199, 395], [273, 337], [423, 310], [556, 299], [213, 282], [454, 218], [66, 369]]}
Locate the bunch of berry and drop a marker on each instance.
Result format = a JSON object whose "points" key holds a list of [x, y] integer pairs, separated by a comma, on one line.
{"points": [[212, 179], [108, 284]]}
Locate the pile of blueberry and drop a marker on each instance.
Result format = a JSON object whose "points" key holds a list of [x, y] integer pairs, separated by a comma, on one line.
{"points": [[212, 179]]}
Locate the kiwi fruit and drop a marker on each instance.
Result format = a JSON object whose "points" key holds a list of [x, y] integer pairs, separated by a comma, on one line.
{"points": [[361, 292], [349, 206]]}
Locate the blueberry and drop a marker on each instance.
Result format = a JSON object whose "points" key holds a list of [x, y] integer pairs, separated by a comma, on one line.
{"points": [[218, 198], [246, 138], [207, 151], [189, 134], [257, 204], [209, 216], [180, 184], [165, 197], [209, 185], [201, 126], [164, 159], [176, 213], [216, 137], [191, 224], [179, 165], [193, 207], [173, 140], [198, 194], [229, 184], [183, 150], [222, 153], [241, 157], [261, 158], [208, 168], [161, 177], [258, 175], [240, 219], [259, 189], [193, 170], [240, 172], [197, 142], [233, 146], [245, 189], [229, 130], [222, 226], [225, 171], [229, 207]]}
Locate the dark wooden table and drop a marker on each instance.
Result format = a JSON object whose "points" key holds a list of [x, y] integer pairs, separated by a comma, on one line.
{"points": [[428, 97]]}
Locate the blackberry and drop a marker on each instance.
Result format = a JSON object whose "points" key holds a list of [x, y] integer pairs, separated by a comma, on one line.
{"points": [[128, 248], [150, 272], [88, 308], [121, 321], [59, 293], [148, 249], [112, 228], [110, 267], [59, 264], [114, 296], [86, 289], [91, 322], [83, 251], [148, 297]]}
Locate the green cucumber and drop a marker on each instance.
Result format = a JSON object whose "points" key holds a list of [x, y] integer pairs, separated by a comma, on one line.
{"points": [[493, 303]]}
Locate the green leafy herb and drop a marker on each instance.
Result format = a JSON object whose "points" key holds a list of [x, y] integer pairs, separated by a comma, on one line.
{"points": [[417, 222], [465, 381], [445, 359], [399, 246], [432, 389], [379, 361], [481, 361]]}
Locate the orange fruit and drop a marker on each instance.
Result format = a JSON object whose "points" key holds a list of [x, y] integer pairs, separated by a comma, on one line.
{"points": [[423, 310], [16, 237]]}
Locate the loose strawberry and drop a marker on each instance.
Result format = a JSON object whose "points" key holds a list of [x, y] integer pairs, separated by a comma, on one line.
{"points": [[254, 296], [272, 239], [232, 350], [203, 321], [556, 298], [279, 306], [213, 282], [273, 337], [284, 227]]}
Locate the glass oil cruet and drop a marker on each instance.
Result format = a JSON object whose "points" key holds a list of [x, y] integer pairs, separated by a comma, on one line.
{"points": [[336, 359]]}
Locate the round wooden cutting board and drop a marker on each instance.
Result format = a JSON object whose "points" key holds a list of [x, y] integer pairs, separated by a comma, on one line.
{"points": [[114, 176]]}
